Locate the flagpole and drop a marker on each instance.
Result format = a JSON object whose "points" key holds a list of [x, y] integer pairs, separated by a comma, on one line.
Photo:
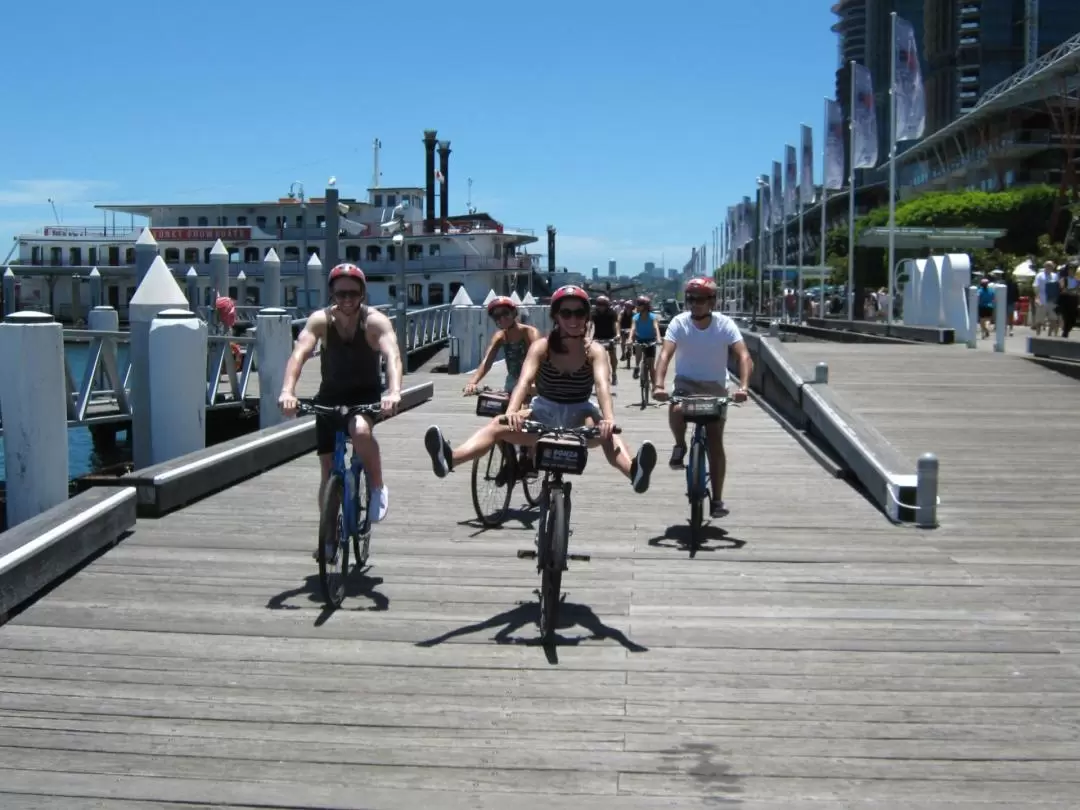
{"points": [[799, 260], [892, 176], [851, 202], [824, 201], [783, 249]]}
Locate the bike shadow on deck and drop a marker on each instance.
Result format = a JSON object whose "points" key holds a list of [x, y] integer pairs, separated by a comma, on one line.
{"points": [[511, 621], [713, 538], [357, 585]]}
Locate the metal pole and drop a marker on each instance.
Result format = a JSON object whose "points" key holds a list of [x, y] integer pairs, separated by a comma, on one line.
{"points": [[402, 297], [851, 200], [892, 174]]}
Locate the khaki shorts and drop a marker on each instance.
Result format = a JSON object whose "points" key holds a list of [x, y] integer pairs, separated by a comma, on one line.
{"points": [[708, 388], [1045, 315]]}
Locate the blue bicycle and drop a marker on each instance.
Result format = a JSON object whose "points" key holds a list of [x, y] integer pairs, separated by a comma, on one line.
{"points": [[699, 410], [344, 507]]}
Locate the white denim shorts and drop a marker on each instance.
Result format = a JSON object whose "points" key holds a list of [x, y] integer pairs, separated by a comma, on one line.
{"points": [[563, 414]]}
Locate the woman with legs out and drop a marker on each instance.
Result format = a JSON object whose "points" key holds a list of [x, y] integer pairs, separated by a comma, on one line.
{"points": [[564, 367]]}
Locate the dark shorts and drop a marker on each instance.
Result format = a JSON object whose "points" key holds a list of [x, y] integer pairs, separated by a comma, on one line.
{"points": [[325, 429], [647, 351], [986, 312]]}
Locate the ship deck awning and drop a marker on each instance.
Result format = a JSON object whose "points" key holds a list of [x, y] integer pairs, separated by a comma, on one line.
{"points": [[916, 238]]}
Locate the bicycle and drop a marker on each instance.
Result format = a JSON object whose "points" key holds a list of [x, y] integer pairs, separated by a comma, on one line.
{"points": [[343, 513], [504, 465], [608, 345], [559, 452], [646, 369], [701, 411]]}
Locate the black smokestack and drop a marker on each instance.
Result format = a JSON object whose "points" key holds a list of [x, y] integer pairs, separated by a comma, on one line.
{"points": [[429, 181], [551, 248], [444, 169]]}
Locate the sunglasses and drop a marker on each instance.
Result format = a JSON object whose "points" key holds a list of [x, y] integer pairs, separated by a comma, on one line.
{"points": [[501, 313], [698, 299], [574, 312], [348, 295]]}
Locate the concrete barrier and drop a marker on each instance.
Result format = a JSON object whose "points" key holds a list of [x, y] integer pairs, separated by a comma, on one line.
{"points": [[50, 545], [839, 439], [1054, 348], [162, 488], [918, 334]]}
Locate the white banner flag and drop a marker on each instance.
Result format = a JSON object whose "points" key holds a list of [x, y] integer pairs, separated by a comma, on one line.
{"points": [[748, 215], [834, 146], [908, 85], [777, 194], [791, 178], [864, 119], [766, 202], [806, 184]]}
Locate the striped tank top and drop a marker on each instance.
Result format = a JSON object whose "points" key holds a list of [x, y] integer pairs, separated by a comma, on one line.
{"points": [[568, 387]]}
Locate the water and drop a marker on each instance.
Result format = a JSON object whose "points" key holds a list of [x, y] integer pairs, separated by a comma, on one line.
{"points": [[82, 458]]}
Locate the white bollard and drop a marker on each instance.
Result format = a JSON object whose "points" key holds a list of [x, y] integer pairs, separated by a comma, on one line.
{"points": [[241, 289], [271, 273], [973, 317], [146, 250], [191, 282], [219, 270], [177, 343], [33, 400], [95, 289], [10, 302], [273, 345], [313, 280], [1001, 316], [157, 292]]}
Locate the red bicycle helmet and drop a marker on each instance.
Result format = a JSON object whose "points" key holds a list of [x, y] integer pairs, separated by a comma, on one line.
{"points": [[705, 286], [569, 291], [643, 300], [603, 299], [346, 270], [501, 301]]}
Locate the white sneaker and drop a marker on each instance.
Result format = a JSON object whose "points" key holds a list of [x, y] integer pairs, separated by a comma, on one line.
{"points": [[379, 504]]}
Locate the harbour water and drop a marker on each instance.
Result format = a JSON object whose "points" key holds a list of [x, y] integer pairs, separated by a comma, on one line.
{"points": [[82, 458]]}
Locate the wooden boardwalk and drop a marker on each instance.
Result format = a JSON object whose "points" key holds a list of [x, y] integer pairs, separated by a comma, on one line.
{"points": [[813, 656]]}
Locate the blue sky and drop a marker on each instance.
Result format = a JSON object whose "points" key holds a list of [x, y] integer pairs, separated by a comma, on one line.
{"points": [[629, 126]]}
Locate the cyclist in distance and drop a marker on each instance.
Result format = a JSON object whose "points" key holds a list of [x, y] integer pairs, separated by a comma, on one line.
{"points": [[353, 336], [700, 340], [603, 327], [565, 368], [626, 321], [645, 329], [512, 337]]}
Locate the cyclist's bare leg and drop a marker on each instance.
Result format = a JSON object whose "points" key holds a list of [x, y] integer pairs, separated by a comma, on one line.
{"points": [[717, 459], [367, 448], [613, 362], [678, 432], [482, 441]]}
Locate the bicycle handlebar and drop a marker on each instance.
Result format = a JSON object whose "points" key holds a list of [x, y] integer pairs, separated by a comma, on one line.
{"points": [[308, 406], [530, 426], [676, 399]]}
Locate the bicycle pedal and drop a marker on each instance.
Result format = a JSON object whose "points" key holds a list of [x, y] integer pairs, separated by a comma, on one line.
{"points": [[526, 554], [579, 557]]}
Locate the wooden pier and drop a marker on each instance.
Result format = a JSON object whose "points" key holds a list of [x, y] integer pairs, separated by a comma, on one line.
{"points": [[813, 655]]}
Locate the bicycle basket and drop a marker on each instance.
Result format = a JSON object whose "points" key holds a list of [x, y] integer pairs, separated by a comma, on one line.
{"points": [[561, 455], [491, 404], [703, 409]]}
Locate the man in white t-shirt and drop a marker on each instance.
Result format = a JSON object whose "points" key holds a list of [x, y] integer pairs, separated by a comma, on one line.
{"points": [[1046, 285], [701, 339]]}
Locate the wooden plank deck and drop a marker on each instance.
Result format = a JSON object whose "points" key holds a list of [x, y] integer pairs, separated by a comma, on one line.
{"points": [[813, 656]]}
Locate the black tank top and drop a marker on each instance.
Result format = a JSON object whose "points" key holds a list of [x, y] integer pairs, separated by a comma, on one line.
{"points": [[350, 368], [604, 325], [571, 387]]}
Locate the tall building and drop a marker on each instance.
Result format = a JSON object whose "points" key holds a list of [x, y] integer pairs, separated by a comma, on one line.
{"points": [[611, 268], [595, 273], [973, 45], [650, 269]]}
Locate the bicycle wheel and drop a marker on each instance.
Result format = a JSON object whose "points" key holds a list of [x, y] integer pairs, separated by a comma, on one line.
{"points": [[362, 535], [492, 483], [557, 531], [333, 543], [695, 490], [646, 373]]}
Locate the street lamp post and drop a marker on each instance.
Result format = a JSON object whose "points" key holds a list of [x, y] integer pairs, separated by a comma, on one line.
{"points": [[303, 239]]}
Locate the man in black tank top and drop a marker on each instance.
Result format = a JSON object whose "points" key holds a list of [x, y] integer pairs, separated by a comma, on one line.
{"points": [[353, 339], [604, 323]]}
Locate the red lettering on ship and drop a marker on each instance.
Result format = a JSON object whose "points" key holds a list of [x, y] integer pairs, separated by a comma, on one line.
{"points": [[201, 234]]}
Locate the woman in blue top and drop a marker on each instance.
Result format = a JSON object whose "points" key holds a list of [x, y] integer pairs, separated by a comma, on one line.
{"points": [[645, 329], [986, 306]]}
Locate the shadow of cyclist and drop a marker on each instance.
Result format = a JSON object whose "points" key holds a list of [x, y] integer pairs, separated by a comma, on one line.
{"points": [[511, 621], [359, 584], [713, 538]]}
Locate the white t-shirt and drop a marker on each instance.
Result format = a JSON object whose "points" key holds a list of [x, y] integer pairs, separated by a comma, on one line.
{"points": [[702, 354], [1042, 278]]}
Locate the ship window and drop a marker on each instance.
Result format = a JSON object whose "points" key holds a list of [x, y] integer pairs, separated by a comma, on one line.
{"points": [[203, 222], [172, 255], [252, 294], [374, 253], [233, 294], [206, 255], [35, 255], [241, 221], [251, 254], [392, 291], [299, 222], [434, 294], [320, 222], [182, 222], [377, 200], [129, 256], [292, 253], [222, 221], [312, 251], [260, 222], [416, 294], [191, 256], [454, 287], [75, 257], [391, 253], [114, 255], [498, 250], [391, 200], [352, 253], [56, 256], [416, 252], [92, 257], [234, 254], [433, 249]]}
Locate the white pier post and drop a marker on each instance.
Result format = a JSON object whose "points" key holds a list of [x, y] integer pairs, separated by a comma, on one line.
{"points": [[273, 345], [177, 342], [10, 304], [104, 319], [973, 317], [314, 281], [76, 300], [271, 292], [95, 289], [191, 280], [146, 250], [241, 288], [157, 292], [34, 404], [219, 270], [1001, 316]]}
